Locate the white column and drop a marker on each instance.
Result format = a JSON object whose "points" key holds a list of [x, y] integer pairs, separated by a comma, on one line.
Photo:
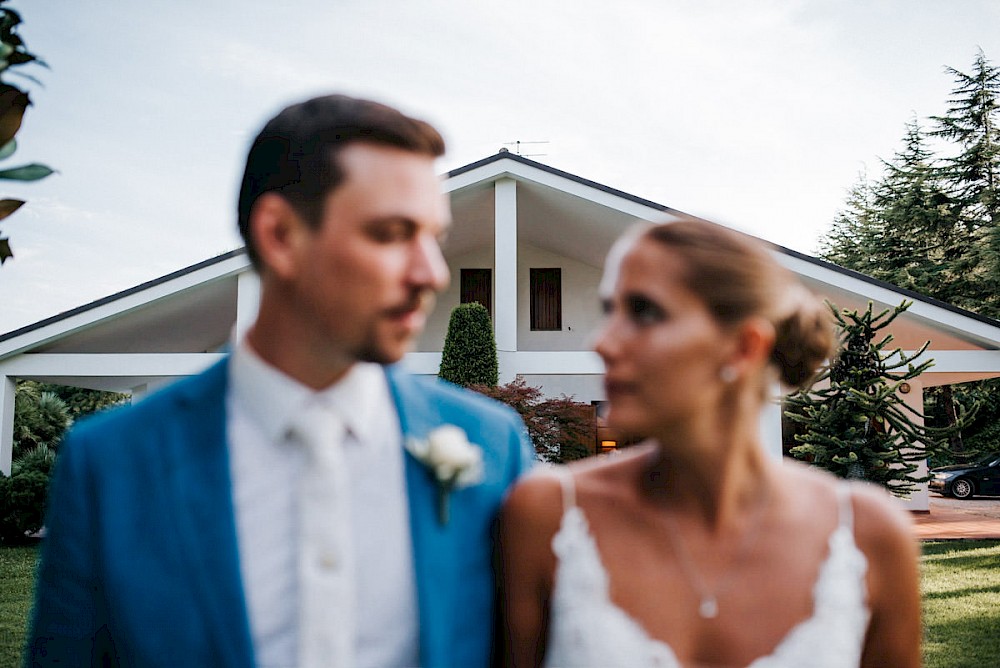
{"points": [[247, 301], [920, 500], [505, 272], [7, 388], [770, 423]]}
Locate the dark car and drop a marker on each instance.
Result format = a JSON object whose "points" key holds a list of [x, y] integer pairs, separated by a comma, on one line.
{"points": [[965, 480]]}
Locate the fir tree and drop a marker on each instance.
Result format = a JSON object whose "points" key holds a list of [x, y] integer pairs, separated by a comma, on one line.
{"points": [[972, 127], [971, 258], [850, 238], [931, 223], [916, 247], [897, 228], [854, 422]]}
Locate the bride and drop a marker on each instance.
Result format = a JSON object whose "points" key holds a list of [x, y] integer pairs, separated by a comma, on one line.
{"points": [[696, 548]]}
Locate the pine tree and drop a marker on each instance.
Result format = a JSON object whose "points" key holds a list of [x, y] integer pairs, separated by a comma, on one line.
{"points": [[470, 349], [897, 228], [917, 246], [855, 227], [931, 224], [854, 422], [972, 125]]}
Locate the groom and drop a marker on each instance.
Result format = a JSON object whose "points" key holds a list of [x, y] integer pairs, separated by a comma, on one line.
{"points": [[212, 524]]}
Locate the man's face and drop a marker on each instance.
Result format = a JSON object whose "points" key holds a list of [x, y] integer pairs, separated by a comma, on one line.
{"points": [[366, 277]]}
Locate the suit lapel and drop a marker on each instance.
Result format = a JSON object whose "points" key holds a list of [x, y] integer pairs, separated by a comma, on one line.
{"points": [[432, 541], [198, 462]]}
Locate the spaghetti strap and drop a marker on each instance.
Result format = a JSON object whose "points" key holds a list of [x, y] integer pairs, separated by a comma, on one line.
{"points": [[846, 506], [568, 489]]}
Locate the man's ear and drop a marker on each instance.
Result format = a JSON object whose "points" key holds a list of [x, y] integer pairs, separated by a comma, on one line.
{"points": [[278, 233]]}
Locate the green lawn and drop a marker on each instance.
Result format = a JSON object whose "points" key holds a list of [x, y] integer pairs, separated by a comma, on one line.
{"points": [[961, 592], [17, 573]]}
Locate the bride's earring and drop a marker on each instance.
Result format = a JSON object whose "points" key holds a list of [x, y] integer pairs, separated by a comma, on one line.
{"points": [[728, 374]]}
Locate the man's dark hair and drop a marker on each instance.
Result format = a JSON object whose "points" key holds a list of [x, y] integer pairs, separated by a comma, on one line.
{"points": [[296, 152]]}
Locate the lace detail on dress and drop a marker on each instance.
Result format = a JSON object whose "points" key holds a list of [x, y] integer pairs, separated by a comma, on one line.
{"points": [[588, 629]]}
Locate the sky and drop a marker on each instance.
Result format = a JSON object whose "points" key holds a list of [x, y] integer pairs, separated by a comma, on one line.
{"points": [[759, 115]]}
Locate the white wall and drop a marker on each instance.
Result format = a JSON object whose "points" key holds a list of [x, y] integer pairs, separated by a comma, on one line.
{"points": [[581, 312], [432, 340], [583, 388]]}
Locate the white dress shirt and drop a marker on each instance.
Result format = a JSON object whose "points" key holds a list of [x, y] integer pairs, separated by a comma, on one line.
{"points": [[266, 464]]}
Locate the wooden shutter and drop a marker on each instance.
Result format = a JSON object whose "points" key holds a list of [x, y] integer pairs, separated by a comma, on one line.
{"points": [[546, 299], [477, 286]]}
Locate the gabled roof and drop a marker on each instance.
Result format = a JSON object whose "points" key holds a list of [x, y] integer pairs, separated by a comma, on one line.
{"points": [[812, 269], [477, 174], [557, 211], [193, 309], [203, 294]]}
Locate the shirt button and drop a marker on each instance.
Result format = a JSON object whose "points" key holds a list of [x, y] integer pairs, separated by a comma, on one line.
{"points": [[328, 561]]}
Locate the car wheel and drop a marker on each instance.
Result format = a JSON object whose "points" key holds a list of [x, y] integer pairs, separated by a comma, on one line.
{"points": [[962, 488]]}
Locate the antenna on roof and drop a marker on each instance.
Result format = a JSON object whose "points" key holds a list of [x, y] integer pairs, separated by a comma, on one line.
{"points": [[517, 147]]}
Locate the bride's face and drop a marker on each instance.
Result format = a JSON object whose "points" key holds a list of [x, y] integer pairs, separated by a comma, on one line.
{"points": [[662, 349]]}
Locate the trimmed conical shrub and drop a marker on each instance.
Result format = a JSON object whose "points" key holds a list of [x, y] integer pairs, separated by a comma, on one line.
{"points": [[470, 349]]}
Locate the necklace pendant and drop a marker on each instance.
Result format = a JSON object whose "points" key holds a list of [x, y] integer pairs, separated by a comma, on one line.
{"points": [[708, 608]]}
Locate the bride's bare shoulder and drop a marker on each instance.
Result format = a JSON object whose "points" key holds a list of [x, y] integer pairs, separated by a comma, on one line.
{"points": [[535, 502], [540, 495], [610, 479], [880, 521]]}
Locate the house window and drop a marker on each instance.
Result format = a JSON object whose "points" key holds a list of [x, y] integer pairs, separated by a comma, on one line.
{"points": [[477, 286], [546, 299]]}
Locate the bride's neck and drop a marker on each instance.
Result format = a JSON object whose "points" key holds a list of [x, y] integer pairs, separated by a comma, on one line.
{"points": [[718, 475]]}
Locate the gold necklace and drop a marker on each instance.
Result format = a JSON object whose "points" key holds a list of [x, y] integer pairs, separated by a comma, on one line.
{"points": [[708, 606]]}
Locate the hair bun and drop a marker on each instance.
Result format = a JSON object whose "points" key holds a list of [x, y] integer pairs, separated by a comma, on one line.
{"points": [[803, 338]]}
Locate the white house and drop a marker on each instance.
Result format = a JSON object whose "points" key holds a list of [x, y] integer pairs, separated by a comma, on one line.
{"points": [[529, 241]]}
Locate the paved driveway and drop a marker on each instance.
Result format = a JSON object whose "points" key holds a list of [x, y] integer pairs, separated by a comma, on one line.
{"points": [[988, 506], [950, 518]]}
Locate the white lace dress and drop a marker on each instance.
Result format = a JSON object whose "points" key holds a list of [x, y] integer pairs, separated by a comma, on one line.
{"points": [[588, 629]]}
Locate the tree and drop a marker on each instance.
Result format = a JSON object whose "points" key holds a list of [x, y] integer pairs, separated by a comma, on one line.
{"points": [[855, 424], [560, 429], [13, 103], [23, 494], [81, 401], [40, 418], [930, 224], [917, 248], [42, 414], [854, 229], [470, 349], [898, 228], [981, 434], [972, 126]]}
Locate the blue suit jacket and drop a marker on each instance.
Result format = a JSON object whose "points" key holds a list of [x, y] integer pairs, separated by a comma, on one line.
{"points": [[141, 564]]}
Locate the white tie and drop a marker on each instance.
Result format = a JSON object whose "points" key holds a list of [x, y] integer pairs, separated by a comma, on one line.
{"points": [[326, 569]]}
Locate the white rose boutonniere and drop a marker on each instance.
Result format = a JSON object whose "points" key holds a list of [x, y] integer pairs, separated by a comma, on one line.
{"points": [[451, 459]]}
